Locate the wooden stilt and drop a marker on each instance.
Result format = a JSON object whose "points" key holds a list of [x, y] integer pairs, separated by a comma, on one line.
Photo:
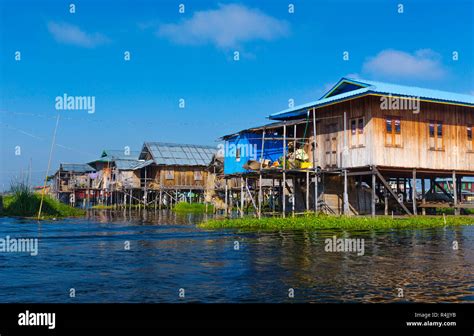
{"points": [[413, 190], [284, 170], [293, 197], [241, 197], [423, 196], [307, 190], [373, 195], [455, 194], [315, 167], [226, 197], [345, 196], [161, 199], [273, 195]]}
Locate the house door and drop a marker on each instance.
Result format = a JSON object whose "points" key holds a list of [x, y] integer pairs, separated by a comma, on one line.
{"points": [[331, 145]]}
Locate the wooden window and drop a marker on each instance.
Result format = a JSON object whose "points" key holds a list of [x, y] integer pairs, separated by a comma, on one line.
{"points": [[197, 175], [357, 132], [169, 174], [436, 130], [470, 139], [393, 131]]}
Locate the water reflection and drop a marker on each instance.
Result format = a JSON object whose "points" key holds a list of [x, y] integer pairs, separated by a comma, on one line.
{"points": [[168, 252]]}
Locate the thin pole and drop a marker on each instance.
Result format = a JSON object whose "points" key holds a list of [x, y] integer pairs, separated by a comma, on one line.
{"points": [[226, 196], [294, 178], [423, 196], [49, 165], [373, 194], [284, 169], [314, 163], [307, 190], [344, 165], [29, 175], [413, 189], [241, 197], [455, 194], [260, 196], [161, 198]]}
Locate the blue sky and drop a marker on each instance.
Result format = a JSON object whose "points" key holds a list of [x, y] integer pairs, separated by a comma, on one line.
{"points": [[190, 56]]}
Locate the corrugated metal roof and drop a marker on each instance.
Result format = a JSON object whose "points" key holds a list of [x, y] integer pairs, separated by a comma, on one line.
{"points": [[76, 167], [413, 91], [180, 154], [270, 126], [372, 87], [119, 157], [126, 164], [143, 164]]}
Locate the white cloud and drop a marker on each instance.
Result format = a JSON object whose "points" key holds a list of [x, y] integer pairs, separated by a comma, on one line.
{"points": [[353, 75], [226, 27], [71, 34], [422, 64]]}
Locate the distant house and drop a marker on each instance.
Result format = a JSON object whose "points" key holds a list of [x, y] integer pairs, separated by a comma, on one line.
{"points": [[117, 170], [179, 171], [71, 182]]}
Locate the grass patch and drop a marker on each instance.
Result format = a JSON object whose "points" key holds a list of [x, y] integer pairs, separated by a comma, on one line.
{"points": [[312, 222], [24, 203], [184, 207]]}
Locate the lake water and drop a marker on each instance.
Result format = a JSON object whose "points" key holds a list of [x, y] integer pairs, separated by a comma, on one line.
{"points": [[169, 254]]}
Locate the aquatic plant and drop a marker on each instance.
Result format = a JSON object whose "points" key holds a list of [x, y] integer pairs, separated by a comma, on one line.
{"points": [[22, 202], [312, 222], [193, 207]]}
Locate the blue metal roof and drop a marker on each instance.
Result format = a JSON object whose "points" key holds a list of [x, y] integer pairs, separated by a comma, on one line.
{"points": [[179, 154], [349, 88]]}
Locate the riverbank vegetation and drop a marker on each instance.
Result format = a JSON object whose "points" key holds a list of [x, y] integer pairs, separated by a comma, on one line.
{"points": [[22, 202], [312, 222], [184, 207]]}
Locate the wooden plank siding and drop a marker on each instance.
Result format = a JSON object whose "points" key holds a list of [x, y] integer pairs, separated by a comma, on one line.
{"points": [[415, 151], [370, 148], [177, 177], [329, 139]]}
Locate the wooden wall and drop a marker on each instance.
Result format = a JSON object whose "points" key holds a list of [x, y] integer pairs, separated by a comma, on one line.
{"points": [[330, 135], [370, 148], [414, 150], [182, 176]]}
